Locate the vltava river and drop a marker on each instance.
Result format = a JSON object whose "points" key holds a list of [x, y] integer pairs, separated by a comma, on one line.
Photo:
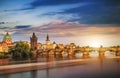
{"points": [[102, 67]]}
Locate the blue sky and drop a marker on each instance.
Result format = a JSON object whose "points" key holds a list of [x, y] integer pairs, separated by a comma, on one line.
{"points": [[79, 21]]}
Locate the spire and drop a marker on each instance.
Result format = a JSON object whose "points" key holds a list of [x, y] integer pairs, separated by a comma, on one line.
{"points": [[7, 33], [47, 38], [33, 35]]}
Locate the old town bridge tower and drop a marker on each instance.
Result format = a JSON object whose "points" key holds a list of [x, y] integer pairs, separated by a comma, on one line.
{"points": [[33, 42]]}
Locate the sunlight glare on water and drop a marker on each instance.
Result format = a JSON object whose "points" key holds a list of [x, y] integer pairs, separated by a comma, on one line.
{"points": [[78, 54], [109, 54], [94, 54]]}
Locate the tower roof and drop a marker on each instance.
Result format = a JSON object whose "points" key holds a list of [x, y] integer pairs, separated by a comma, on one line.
{"points": [[47, 38], [7, 36], [54, 42], [34, 36]]}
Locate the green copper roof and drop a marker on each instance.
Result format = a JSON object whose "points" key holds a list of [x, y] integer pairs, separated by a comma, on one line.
{"points": [[7, 36]]}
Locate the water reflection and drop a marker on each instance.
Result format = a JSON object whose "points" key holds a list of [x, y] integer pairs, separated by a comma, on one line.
{"points": [[109, 53], [64, 56], [101, 63], [101, 68], [118, 65], [79, 54], [4, 61], [33, 74], [94, 53], [92, 69]]}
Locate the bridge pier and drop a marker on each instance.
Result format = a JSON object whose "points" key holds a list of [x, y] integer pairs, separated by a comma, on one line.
{"points": [[85, 54], [71, 52], [102, 51], [118, 51]]}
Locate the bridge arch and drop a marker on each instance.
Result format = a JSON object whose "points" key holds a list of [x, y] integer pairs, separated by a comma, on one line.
{"points": [[94, 53], [109, 53], [64, 53], [78, 53]]}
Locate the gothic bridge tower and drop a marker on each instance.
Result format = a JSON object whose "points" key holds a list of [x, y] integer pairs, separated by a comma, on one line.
{"points": [[33, 42]]}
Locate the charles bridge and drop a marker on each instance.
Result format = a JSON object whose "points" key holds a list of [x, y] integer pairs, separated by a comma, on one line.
{"points": [[84, 50]]}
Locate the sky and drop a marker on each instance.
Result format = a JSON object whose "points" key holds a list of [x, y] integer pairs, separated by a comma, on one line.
{"points": [[83, 22]]}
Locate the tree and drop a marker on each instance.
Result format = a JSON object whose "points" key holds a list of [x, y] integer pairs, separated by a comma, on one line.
{"points": [[20, 50]]}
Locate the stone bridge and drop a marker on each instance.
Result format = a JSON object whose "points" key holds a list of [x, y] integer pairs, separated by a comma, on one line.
{"points": [[101, 50], [84, 50]]}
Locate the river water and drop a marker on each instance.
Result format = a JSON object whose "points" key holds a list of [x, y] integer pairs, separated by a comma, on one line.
{"points": [[101, 67]]}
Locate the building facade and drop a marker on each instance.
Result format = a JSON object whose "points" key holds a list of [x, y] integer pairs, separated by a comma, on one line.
{"points": [[6, 43], [48, 44]]}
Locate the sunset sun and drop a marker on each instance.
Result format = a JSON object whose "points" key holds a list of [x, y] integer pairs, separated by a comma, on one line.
{"points": [[95, 42]]}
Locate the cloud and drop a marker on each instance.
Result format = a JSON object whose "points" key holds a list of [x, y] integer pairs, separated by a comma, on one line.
{"points": [[5, 28], [20, 9], [61, 28], [2, 22], [83, 11], [37, 3], [22, 26], [112, 2], [36, 16], [97, 13], [14, 30], [65, 32]]}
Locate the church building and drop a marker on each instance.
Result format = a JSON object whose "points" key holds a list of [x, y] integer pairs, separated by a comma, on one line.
{"points": [[6, 43]]}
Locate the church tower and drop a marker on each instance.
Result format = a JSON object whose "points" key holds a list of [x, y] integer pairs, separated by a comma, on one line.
{"points": [[47, 40], [33, 42]]}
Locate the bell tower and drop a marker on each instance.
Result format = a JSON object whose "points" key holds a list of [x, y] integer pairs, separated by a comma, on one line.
{"points": [[47, 40], [33, 42]]}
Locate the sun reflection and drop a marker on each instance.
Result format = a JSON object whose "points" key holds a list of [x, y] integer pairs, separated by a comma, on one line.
{"points": [[94, 54], [109, 54]]}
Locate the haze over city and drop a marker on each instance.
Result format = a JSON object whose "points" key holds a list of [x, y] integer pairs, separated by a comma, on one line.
{"points": [[84, 22]]}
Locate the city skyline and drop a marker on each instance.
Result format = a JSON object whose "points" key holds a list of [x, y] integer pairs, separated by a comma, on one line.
{"points": [[84, 22]]}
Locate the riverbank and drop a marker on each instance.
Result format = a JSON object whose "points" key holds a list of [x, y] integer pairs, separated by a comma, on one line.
{"points": [[44, 65]]}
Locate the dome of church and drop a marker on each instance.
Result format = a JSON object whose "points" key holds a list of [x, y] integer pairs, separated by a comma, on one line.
{"points": [[7, 36]]}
